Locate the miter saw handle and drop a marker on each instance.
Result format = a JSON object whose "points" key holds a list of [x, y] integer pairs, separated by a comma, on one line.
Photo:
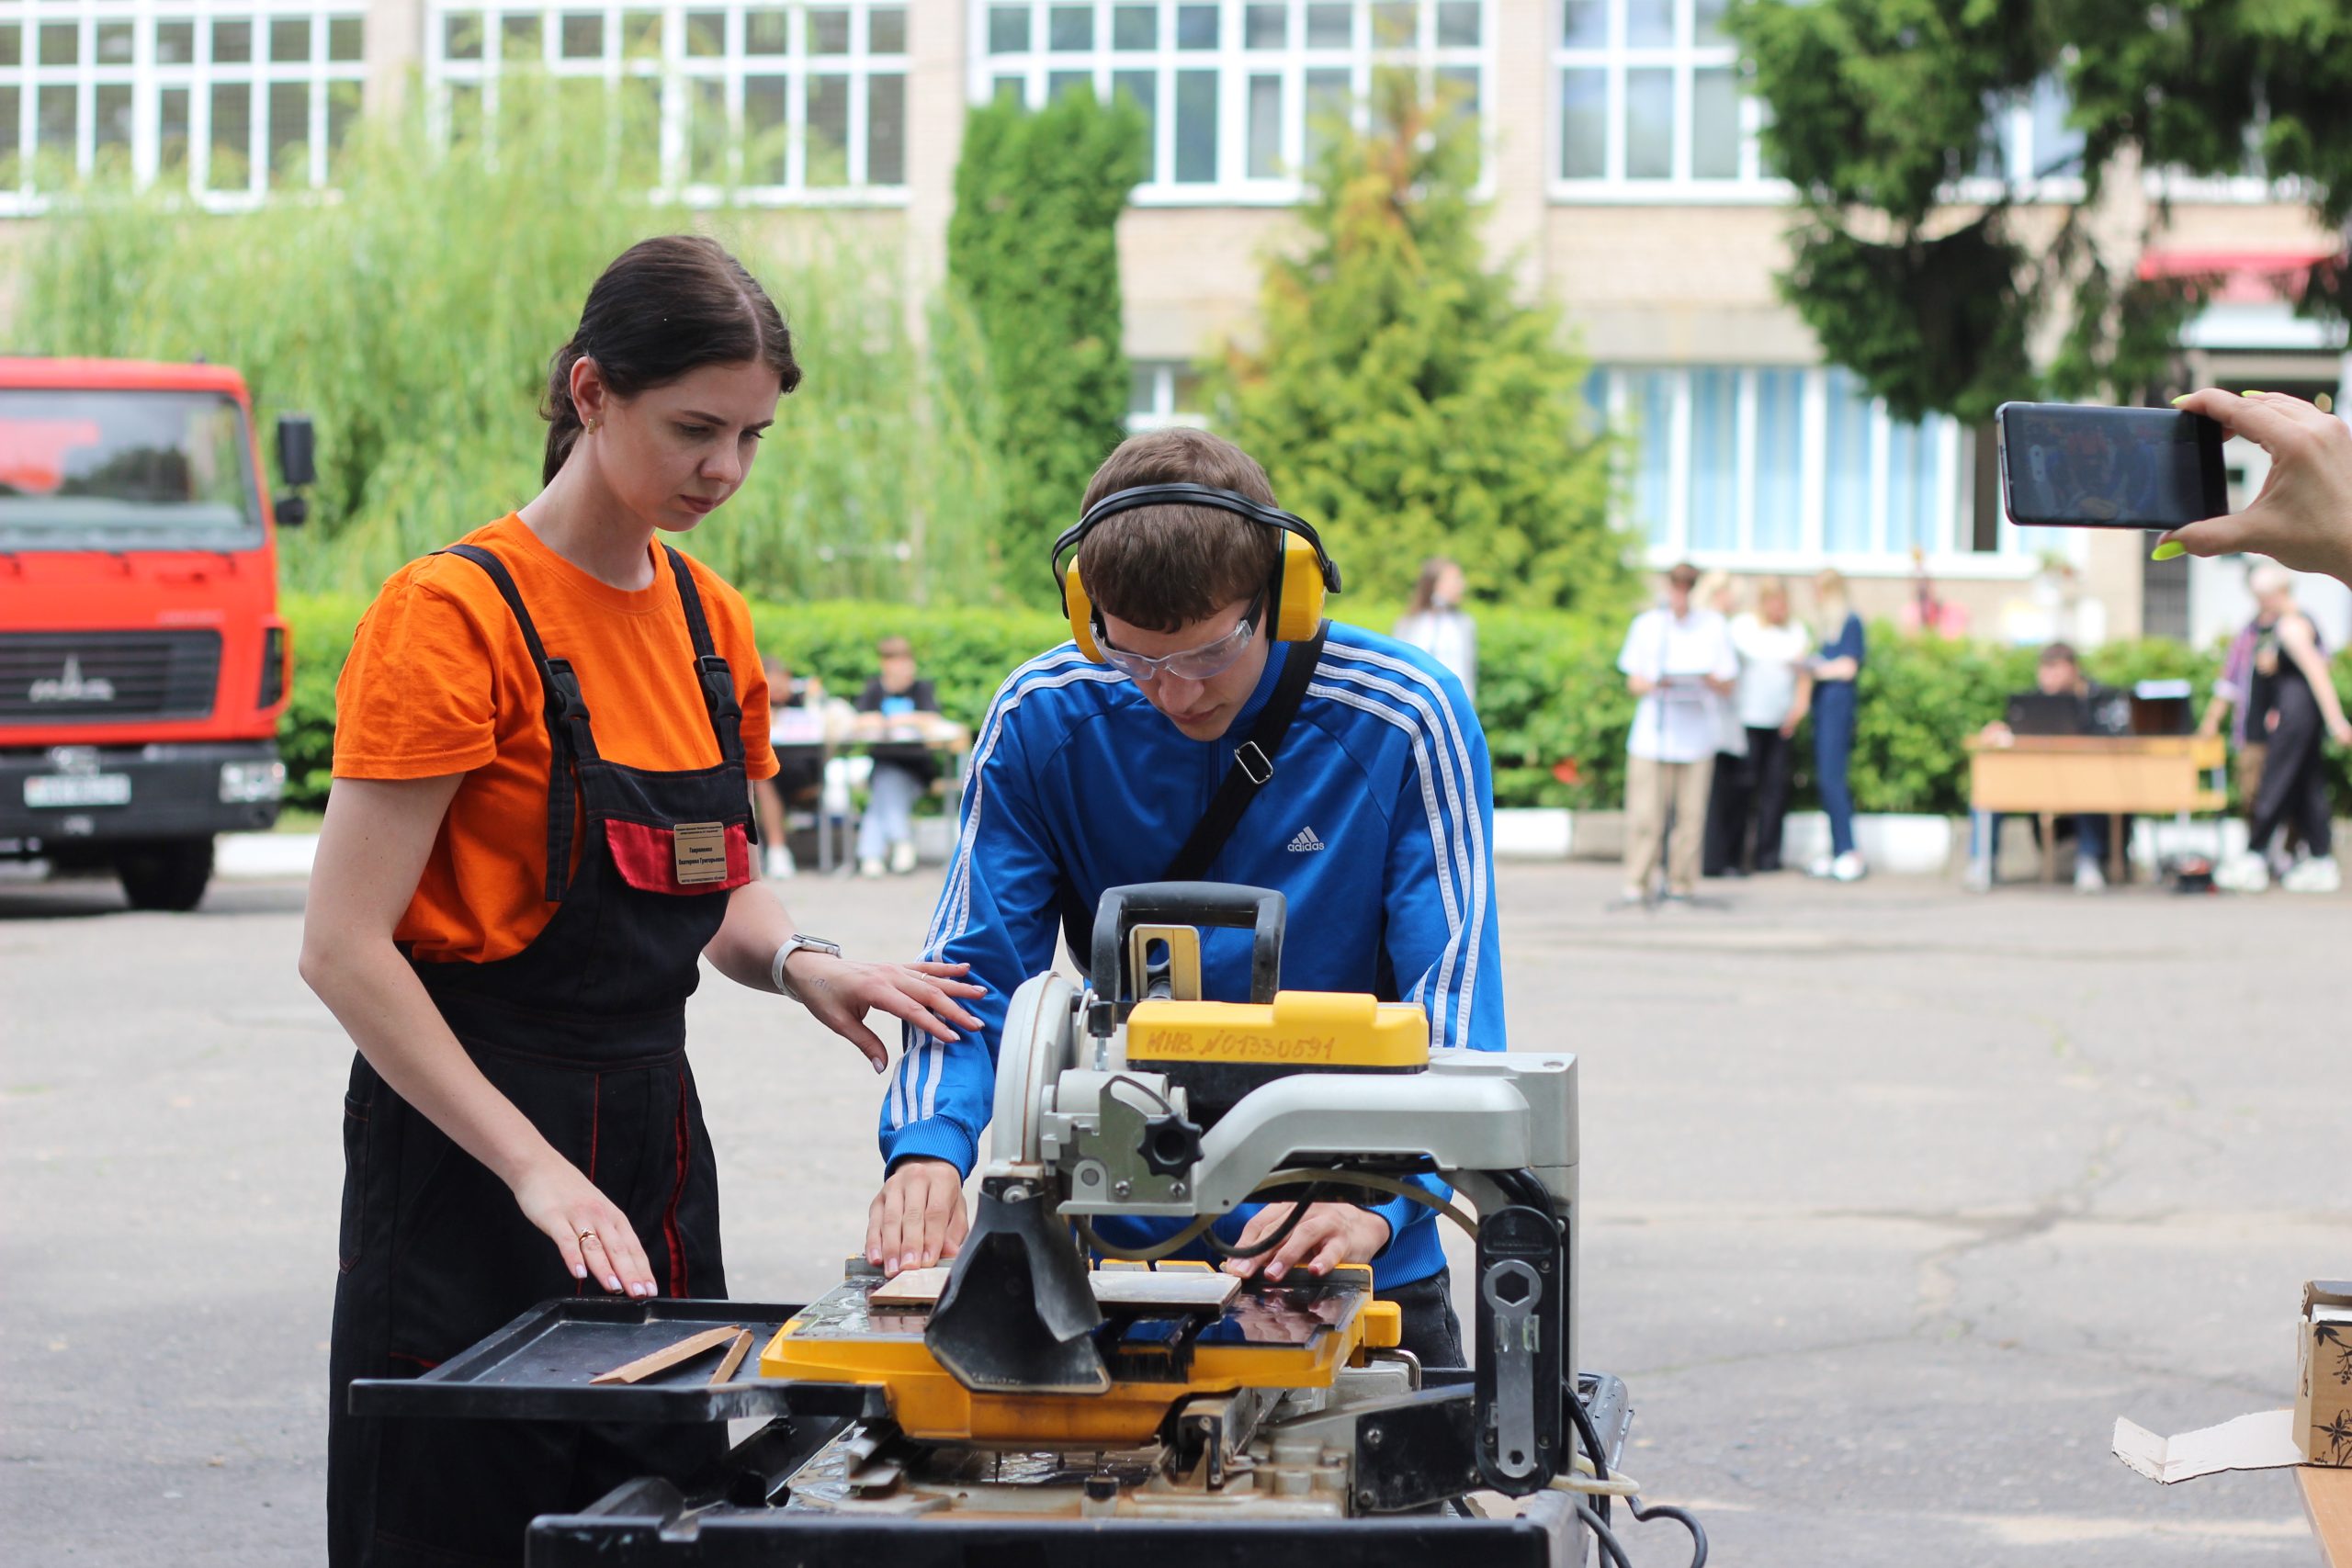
{"points": [[1212, 904]]}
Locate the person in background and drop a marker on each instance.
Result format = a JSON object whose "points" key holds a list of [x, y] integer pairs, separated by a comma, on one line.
{"points": [[1834, 671], [1678, 659], [1436, 622], [2290, 702], [2231, 688], [1770, 700], [796, 734], [2057, 673], [1732, 789], [897, 702]]}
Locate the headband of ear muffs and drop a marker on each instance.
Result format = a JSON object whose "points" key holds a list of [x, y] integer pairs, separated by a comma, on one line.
{"points": [[1304, 573]]}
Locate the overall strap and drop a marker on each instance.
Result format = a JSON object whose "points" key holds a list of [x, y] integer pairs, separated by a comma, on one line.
{"points": [[710, 666], [568, 739]]}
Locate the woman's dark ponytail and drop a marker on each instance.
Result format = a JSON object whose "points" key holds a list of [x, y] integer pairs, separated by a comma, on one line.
{"points": [[559, 411], [665, 307]]}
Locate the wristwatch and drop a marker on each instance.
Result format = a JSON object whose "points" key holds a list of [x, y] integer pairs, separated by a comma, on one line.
{"points": [[793, 944]]}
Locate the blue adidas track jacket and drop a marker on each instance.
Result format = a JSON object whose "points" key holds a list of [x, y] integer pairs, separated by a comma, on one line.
{"points": [[1377, 826]]}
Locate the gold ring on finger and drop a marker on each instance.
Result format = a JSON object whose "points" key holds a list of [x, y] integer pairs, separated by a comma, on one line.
{"points": [[587, 1236]]}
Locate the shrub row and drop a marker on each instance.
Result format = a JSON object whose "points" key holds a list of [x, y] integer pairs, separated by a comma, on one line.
{"points": [[1554, 708]]}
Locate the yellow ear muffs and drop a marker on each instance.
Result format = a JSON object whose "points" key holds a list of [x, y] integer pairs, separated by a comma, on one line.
{"points": [[1298, 590], [1082, 612]]}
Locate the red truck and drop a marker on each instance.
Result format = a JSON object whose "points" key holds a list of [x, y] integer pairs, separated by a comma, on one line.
{"points": [[142, 661]]}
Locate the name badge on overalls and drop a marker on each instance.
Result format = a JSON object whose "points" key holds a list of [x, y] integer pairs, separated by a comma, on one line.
{"points": [[701, 852]]}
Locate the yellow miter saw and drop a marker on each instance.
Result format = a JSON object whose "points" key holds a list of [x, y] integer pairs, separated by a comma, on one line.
{"points": [[1136, 1098]]}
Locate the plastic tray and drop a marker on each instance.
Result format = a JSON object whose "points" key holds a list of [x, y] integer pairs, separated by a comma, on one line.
{"points": [[538, 1368]]}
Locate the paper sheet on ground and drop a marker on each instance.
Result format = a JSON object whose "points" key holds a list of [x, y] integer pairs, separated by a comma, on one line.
{"points": [[2265, 1440]]}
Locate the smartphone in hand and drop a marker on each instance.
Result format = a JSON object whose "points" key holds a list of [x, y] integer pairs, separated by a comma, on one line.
{"points": [[2072, 466]]}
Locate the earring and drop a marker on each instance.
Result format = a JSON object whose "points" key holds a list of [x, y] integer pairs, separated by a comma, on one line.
{"points": [[590, 428]]}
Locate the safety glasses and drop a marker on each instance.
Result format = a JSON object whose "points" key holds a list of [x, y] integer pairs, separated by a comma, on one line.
{"points": [[1204, 663]]}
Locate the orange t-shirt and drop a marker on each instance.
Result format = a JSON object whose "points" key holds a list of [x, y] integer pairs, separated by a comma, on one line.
{"points": [[439, 681]]}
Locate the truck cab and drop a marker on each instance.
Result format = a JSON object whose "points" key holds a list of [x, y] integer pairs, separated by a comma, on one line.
{"points": [[143, 664]]}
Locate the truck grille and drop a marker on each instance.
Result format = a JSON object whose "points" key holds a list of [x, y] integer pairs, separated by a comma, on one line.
{"points": [[102, 677]]}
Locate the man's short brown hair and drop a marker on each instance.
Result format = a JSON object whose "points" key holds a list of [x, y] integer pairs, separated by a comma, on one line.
{"points": [[1164, 566]]}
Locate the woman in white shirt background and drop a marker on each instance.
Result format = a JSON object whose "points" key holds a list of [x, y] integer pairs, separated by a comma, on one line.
{"points": [[1436, 622], [1769, 703], [1732, 794]]}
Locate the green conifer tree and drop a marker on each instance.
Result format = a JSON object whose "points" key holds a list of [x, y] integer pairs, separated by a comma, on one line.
{"points": [[1032, 248], [1402, 399]]}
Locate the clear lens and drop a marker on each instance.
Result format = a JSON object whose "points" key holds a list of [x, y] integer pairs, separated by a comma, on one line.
{"points": [[1205, 662], [1202, 663], [243, 783]]}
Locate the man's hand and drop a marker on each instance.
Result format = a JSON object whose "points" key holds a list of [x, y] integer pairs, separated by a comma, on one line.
{"points": [[1331, 1234], [916, 1218], [1997, 734]]}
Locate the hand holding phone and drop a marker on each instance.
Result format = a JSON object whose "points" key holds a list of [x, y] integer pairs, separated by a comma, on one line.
{"points": [[2302, 519], [2069, 465]]}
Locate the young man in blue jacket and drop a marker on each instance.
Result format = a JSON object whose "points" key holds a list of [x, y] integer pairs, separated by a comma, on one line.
{"points": [[1375, 824]]}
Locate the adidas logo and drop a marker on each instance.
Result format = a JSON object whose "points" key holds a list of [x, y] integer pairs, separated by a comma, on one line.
{"points": [[1306, 843]]}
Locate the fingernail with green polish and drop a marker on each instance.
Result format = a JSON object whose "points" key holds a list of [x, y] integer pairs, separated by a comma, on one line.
{"points": [[2168, 551], [2252, 394], [2182, 399]]}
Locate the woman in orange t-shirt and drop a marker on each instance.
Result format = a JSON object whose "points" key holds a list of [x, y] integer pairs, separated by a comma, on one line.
{"points": [[541, 822]]}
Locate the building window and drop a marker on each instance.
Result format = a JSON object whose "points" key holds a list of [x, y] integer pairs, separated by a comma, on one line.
{"points": [[1648, 104], [774, 103], [231, 102], [1237, 94], [2030, 148], [1162, 393], [1786, 467]]}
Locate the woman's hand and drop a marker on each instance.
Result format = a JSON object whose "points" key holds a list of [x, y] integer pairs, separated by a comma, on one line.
{"points": [[1331, 1234], [2303, 517], [840, 993], [585, 1227]]}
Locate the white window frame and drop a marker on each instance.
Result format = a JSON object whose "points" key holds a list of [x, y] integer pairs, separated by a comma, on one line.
{"points": [[148, 79], [677, 73], [1162, 411], [1685, 57], [1235, 63], [1953, 525], [2021, 156]]}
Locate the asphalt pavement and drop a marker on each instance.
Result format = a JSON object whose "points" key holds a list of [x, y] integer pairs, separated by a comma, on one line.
{"points": [[1895, 1200]]}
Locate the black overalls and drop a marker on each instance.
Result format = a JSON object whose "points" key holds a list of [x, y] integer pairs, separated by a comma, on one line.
{"points": [[585, 1031]]}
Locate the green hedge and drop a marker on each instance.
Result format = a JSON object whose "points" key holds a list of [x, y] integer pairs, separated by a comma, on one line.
{"points": [[1549, 691]]}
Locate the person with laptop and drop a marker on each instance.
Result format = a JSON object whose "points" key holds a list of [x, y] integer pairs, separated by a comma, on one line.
{"points": [[2064, 702]]}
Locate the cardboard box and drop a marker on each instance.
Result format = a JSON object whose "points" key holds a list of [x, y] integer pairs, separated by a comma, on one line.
{"points": [[2324, 1375]]}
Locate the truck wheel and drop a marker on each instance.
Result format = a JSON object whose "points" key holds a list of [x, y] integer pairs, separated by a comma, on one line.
{"points": [[170, 875]]}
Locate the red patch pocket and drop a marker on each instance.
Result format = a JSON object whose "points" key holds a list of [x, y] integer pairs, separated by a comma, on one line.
{"points": [[688, 858]]}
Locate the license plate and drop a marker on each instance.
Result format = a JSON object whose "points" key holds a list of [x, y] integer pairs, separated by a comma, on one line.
{"points": [[77, 789]]}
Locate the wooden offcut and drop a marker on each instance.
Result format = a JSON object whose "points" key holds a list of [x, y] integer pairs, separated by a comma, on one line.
{"points": [[733, 1359], [669, 1356], [1186, 1289], [2327, 1500]]}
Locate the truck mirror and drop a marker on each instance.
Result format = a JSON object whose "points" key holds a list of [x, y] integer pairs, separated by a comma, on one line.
{"points": [[297, 454], [291, 511]]}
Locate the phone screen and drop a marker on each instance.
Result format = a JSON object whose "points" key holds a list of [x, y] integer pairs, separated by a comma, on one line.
{"points": [[2068, 466]]}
